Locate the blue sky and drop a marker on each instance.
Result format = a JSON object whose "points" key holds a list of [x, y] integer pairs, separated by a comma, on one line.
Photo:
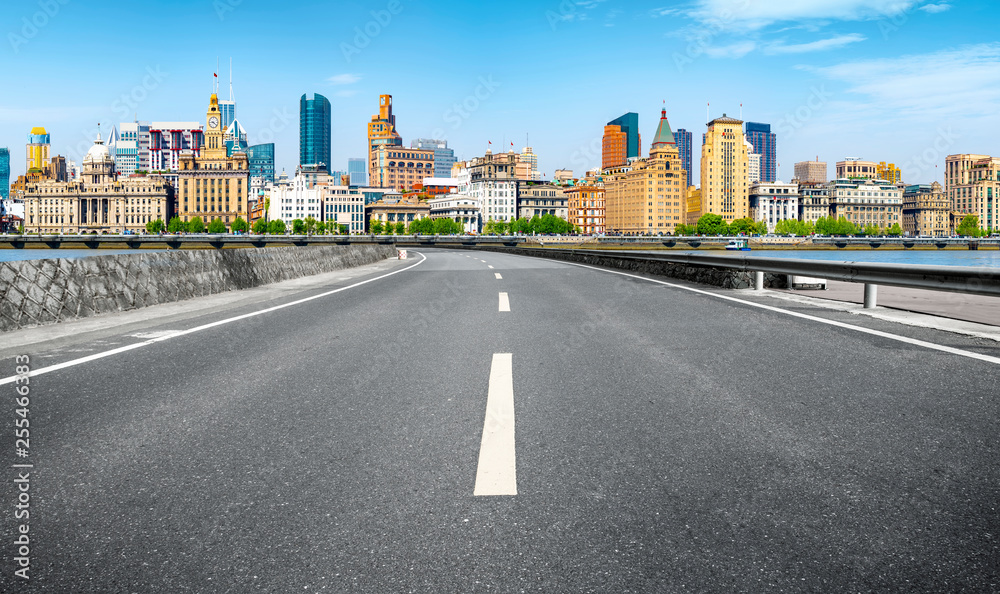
{"points": [[896, 80]]}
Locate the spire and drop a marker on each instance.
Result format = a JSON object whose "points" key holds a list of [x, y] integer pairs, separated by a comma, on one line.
{"points": [[663, 135]]}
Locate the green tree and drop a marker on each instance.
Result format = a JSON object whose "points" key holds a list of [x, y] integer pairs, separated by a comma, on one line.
{"points": [[196, 225], [421, 226], [969, 227], [495, 228], [344, 229], [240, 225], [760, 228], [310, 225], [260, 226], [298, 227], [870, 230], [400, 227], [375, 227], [276, 227], [741, 226], [155, 226], [216, 226], [176, 225], [681, 229], [894, 231], [712, 224], [321, 227]]}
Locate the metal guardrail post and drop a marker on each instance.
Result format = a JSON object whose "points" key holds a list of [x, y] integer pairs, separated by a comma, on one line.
{"points": [[871, 295], [758, 281]]}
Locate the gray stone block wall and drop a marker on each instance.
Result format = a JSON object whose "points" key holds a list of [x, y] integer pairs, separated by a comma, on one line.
{"points": [[36, 292]]}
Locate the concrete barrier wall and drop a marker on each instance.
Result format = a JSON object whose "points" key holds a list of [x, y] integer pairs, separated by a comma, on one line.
{"points": [[707, 275], [36, 292]]}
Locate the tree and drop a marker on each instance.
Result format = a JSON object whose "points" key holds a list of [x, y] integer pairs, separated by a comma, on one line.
{"points": [[871, 230], [176, 225], [741, 227], [155, 226], [793, 227], [343, 229], [375, 226], [894, 231], [260, 226], [421, 226], [276, 227], [240, 225], [196, 225], [712, 224], [682, 229], [310, 225], [216, 226], [760, 228], [969, 227], [495, 228], [321, 227], [400, 228]]}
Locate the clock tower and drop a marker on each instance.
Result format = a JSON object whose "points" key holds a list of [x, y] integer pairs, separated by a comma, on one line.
{"points": [[215, 146]]}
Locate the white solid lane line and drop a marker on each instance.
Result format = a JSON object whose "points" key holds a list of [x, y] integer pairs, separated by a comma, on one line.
{"points": [[906, 339], [498, 275], [497, 470], [504, 302], [138, 345]]}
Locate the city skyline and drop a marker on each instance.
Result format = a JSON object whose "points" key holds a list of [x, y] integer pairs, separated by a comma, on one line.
{"points": [[832, 82]]}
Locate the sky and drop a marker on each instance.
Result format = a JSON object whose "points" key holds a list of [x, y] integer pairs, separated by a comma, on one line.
{"points": [[901, 81]]}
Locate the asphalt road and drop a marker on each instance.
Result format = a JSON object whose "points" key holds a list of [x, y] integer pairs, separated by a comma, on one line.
{"points": [[667, 440]]}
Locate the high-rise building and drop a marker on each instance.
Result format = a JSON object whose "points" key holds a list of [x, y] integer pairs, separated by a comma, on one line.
{"points": [[684, 140], [167, 140], [724, 170], [227, 107], [926, 211], [811, 171], [621, 141], [753, 165], [972, 185], [235, 138], [492, 181], [4, 173], [38, 149], [647, 196], [856, 169], [314, 131], [444, 157], [889, 172], [381, 133], [357, 169], [260, 158], [213, 185], [763, 141]]}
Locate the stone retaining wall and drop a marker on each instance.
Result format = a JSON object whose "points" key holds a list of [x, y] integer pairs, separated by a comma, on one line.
{"points": [[35, 292], [726, 278]]}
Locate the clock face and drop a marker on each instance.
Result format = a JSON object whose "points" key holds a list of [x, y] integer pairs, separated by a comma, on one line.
{"points": [[213, 122]]}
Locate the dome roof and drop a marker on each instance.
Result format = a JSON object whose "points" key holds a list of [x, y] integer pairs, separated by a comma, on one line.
{"points": [[97, 153]]}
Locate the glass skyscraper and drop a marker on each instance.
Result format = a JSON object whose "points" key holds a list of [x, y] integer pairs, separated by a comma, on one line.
{"points": [[261, 161], [763, 141], [357, 168], [4, 173], [314, 131], [629, 124], [444, 157], [683, 139]]}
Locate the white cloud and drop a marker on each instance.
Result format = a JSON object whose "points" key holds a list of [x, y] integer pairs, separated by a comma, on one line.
{"points": [[954, 83], [814, 46], [736, 50], [756, 14], [344, 79], [935, 8]]}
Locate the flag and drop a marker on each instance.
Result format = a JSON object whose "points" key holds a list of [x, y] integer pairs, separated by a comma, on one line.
{"points": [[216, 75], [489, 142]]}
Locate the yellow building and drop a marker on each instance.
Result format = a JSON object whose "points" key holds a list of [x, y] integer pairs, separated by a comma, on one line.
{"points": [[693, 205], [98, 202], [889, 172], [586, 206], [724, 170], [381, 133], [390, 210], [926, 211], [647, 197], [37, 150], [972, 185], [213, 185]]}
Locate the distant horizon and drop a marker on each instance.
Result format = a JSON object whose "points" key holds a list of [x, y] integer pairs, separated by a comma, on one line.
{"points": [[902, 81]]}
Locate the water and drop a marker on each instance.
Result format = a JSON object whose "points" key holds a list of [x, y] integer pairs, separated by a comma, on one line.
{"points": [[10, 255], [986, 258]]}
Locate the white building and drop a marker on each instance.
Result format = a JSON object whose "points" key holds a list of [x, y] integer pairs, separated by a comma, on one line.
{"points": [[167, 140], [753, 164], [459, 207], [294, 199], [528, 156], [774, 201], [344, 205], [497, 199]]}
